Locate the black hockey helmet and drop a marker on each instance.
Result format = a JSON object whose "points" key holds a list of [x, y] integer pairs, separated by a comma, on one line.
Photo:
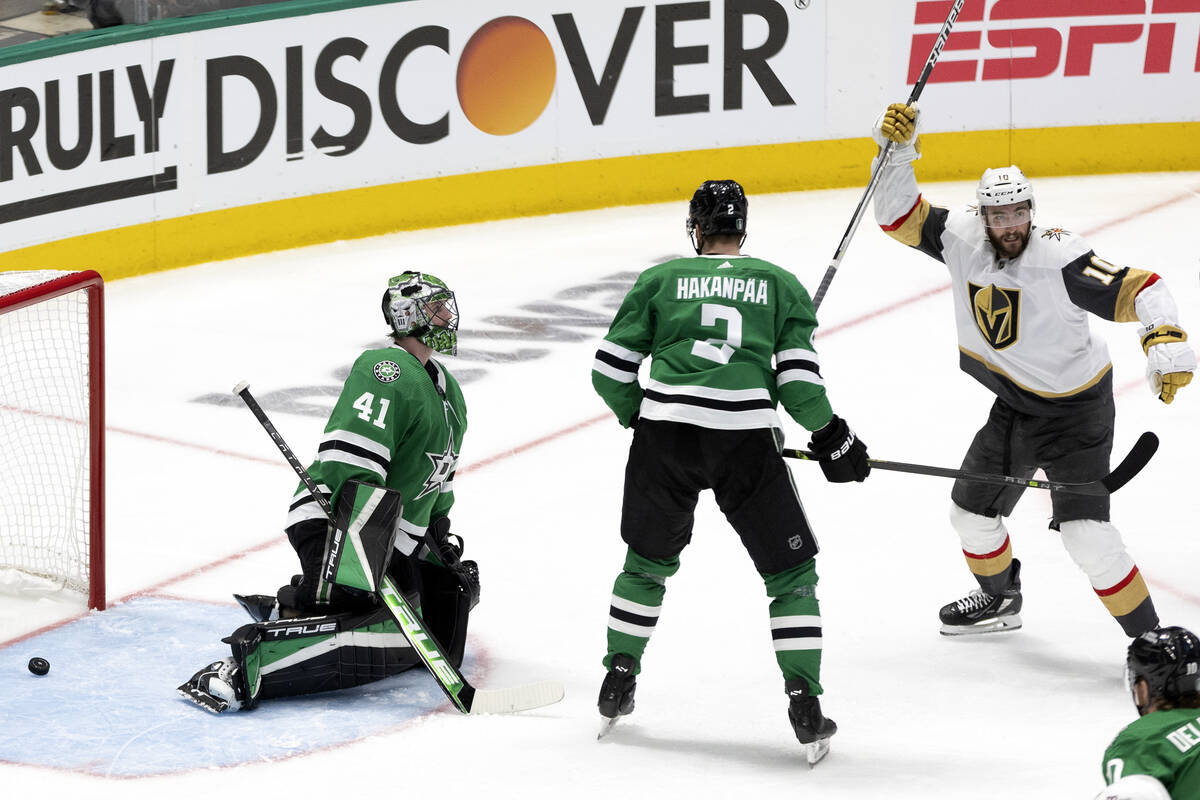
{"points": [[717, 208], [1168, 660]]}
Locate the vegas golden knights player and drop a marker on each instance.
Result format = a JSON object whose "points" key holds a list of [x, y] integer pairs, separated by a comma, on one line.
{"points": [[1022, 295]]}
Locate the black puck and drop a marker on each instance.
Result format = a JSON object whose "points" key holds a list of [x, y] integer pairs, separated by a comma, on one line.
{"points": [[39, 666]]}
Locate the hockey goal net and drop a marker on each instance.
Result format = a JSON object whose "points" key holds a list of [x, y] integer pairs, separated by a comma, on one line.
{"points": [[52, 432]]}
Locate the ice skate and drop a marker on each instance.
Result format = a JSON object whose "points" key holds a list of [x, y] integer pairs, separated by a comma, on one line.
{"points": [[212, 688], [813, 729], [616, 693], [980, 612]]}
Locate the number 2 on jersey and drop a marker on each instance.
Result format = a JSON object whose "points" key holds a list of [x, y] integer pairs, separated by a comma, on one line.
{"points": [[366, 404], [719, 350]]}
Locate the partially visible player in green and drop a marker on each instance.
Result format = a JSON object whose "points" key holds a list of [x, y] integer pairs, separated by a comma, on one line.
{"points": [[1157, 757], [386, 464], [730, 337]]}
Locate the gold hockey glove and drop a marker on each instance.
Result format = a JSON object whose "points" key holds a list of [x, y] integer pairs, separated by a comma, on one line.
{"points": [[899, 123], [1170, 362]]}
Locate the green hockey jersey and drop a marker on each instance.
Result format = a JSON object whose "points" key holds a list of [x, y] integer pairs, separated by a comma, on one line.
{"points": [[396, 424], [730, 338], [1162, 744]]}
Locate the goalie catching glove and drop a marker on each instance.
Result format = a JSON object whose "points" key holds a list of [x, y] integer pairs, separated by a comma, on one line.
{"points": [[1170, 362], [898, 125], [841, 454]]}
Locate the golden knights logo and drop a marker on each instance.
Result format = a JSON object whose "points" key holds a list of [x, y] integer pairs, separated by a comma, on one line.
{"points": [[997, 313]]}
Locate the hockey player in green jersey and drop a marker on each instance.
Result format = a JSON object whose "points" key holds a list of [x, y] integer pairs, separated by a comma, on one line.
{"points": [[1022, 295], [386, 464], [1157, 757], [730, 337]]}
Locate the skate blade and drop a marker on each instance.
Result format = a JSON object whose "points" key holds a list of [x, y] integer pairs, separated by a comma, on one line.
{"points": [[815, 751], [607, 726], [1011, 622], [202, 699]]}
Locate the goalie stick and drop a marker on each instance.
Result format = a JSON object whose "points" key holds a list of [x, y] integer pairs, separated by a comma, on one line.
{"points": [[465, 697], [885, 156], [1143, 450]]}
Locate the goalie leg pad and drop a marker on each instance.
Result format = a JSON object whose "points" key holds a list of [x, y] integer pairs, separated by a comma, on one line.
{"points": [[292, 657], [343, 563], [445, 607], [361, 541]]}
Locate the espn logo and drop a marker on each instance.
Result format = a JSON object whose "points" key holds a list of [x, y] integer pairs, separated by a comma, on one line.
{"points": [[1040, 38]]}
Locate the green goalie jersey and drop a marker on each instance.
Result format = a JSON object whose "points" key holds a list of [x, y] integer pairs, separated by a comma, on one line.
{"points": [[1162, 744], [730, 338], [396, 424]]}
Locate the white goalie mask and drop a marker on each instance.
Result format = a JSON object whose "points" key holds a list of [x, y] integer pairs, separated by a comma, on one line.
{"points": [[1002, 194], [420, 305]]}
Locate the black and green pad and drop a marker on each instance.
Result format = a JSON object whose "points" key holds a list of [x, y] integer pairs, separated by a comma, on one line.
{"points": [[445, 606], [360, 542], [318, 654]]}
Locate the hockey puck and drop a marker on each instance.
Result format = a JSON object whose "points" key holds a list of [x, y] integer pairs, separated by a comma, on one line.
{"points": [[39, 666]]}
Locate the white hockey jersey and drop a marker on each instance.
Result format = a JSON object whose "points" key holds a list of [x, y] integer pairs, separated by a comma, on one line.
{"points": [[1022, 323]]}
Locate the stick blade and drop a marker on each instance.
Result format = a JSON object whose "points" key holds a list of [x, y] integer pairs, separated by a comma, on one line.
{"points": [[516, 698], [1143, 450]]}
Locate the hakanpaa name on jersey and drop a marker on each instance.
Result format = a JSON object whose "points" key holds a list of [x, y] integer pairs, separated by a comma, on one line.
{"points": [[730, 338], [747, 290]]}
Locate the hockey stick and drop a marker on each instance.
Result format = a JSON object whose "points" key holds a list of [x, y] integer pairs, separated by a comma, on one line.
{"points": [[884, 157], [1143, 450], [466, 698]]}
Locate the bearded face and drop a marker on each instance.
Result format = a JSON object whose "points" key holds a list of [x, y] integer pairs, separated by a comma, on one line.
{"points": [[1008, 227]]}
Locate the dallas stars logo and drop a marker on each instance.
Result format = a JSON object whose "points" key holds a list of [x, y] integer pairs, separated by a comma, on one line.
{"points": [[443, 465], [1055, 233]]}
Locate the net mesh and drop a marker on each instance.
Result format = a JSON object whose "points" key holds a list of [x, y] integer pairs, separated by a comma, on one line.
{"points": [[44, 433]]}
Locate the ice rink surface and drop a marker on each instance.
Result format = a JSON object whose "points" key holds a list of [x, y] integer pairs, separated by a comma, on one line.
{"points": [[197, 495]]}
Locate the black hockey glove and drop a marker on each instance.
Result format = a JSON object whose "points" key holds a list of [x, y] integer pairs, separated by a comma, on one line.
{"points": [[841, 454], [447, 547]]}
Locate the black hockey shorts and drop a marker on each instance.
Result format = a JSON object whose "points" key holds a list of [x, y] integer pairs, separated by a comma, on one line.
{"points": [[671, 462], [1070, 449]]}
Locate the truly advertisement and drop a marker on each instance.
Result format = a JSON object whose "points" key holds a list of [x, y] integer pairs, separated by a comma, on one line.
{"points": [[213, 119]]}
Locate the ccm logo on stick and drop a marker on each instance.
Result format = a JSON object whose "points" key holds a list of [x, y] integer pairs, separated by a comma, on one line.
{"points": [[1027, 39]]}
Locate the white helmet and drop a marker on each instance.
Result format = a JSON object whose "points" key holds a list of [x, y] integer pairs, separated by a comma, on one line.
{"points": [[1004, 186]]}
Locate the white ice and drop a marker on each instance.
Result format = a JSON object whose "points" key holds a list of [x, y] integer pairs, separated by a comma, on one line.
{"points": [[197, 495]]}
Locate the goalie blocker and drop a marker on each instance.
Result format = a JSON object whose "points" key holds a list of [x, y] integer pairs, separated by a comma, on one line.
{"points": [[285, 653]]}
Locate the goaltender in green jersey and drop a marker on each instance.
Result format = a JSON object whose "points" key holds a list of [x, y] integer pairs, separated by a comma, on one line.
{"points": [[730, 337], [386, 464]]}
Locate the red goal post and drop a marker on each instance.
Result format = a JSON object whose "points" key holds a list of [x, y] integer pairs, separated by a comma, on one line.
{"points": [[52, 428]]}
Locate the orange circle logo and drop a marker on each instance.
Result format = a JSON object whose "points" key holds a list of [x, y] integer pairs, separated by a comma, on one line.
{"points": [[506, 76]]}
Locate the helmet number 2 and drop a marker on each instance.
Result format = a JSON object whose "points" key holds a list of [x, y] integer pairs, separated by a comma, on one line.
{"points": [[366, 406], [719, 350]]}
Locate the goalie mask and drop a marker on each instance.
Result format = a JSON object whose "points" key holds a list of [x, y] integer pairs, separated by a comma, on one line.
{"points": [[717, 208], [420, 305]]}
